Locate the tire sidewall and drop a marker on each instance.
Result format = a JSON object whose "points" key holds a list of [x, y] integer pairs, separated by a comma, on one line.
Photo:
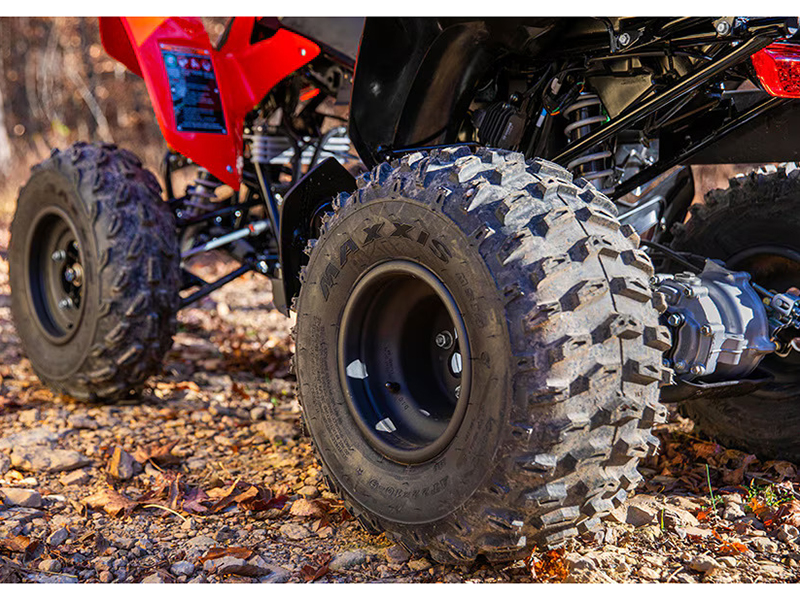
{"points": [[51, 188], [382, 486]]}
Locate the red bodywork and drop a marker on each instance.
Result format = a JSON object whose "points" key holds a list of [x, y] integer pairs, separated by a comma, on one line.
{"points": [[245, 72]]}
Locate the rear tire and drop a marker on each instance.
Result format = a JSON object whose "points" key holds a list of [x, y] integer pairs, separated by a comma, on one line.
{"points": [[560, 343], [753, 226], [95, 272]]}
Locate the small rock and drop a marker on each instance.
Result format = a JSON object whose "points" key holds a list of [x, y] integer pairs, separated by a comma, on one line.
{"points": [[695, 532], [421, 564], [787, 533], [276, 430], [347, 560], [45, 578], [397, 554], [183, 567], [58, 537], [46, 459], [763, 544], [201, 541], [306, 508], [732, 512], [749, 522], [703, 564], [259, 413], [229, 565], [80, 477], [51, 565], [82, 422], [732, 499], [578, 561], [728, 561], [294, 531], [32, 437], [106, 577], [649, 574], [21, 497], [308, 491], [5, 464], [640, 515], [28, 417], [122, 465], [154, 578], [277, 575]]}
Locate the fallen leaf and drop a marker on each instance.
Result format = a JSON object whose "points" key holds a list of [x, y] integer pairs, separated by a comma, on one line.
{"points": [[111, 501], [193, 499], [234, 551], [550, 567], [159, 454], [731, 548], [312, 572]]}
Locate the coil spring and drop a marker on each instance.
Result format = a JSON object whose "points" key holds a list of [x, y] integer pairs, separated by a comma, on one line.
{"points": [[200, 195], [594, 165]]}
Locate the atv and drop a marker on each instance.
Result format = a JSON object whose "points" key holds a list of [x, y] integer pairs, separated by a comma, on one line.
{"points": [[490, 319]]}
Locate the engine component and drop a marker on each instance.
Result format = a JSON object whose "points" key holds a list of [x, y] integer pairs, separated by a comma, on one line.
{"points": [[783, 312], [595, 164], [719, 324], [501, 125], [279, 149]]}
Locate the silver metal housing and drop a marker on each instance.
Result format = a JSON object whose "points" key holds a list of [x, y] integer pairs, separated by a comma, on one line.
{"points": [[719, 324]]}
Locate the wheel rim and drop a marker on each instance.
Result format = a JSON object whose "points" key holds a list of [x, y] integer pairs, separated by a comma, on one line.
{"points": [[56, 276], [777, 268], [404, 361]]}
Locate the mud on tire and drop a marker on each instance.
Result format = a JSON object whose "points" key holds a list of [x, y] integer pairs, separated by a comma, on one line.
{"points": [[564, 341], [107, 209]]}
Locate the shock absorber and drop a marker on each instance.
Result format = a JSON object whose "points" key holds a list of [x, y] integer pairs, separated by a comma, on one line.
{"points": [[200, 195], [596, 164]]}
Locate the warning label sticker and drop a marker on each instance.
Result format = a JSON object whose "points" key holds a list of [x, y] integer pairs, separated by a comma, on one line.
{"points": [[194, 89]]}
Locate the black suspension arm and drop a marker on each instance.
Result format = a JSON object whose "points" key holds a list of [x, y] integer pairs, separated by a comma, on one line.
{"points": [[626, 119]]}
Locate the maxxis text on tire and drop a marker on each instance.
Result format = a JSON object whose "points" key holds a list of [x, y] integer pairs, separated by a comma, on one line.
{"points": [[563, 336], [753, 226], [123, 238]]}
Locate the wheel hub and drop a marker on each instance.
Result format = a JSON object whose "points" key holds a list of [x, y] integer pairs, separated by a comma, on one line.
{"points": [[56, 275], [404, 361]]}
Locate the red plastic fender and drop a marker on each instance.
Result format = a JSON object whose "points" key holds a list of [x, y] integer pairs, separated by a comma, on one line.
{"points": [[240, 74]]}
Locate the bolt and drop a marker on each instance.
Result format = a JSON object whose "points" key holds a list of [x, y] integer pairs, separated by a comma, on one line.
{"points": [[58, 255], [444, 339], [689, 292], [624, 39], [723, 27], [237, 214], [458, 392], [392, 386], [666, 362], [706, 330], [262, 266], [70, 275], [698, 369], [655, 280], [675, 320], [680, 366], [303, 52], [217, 220], [229, 169], [65, 304]]}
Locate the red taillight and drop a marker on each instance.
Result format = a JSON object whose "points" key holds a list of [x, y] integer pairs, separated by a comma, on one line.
{"points": [[778, 69]]}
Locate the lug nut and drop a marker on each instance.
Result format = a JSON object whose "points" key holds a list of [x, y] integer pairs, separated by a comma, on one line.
{"points": [[444, 339], [680, 366], [723, 27], [70, 275], [58, 255], [675, 320], [65, 303], [706, 330]]}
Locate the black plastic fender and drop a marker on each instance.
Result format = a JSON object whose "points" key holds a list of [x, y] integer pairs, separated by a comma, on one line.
{"points": [[301, 205]]}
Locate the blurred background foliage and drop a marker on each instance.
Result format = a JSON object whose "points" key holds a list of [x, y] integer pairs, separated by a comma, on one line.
{"points": [[58, 86]]}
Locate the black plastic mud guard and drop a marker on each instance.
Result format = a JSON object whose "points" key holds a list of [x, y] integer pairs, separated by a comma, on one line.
{"points": [[305, 200]]}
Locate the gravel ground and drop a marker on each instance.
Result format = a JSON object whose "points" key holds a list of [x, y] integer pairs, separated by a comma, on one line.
{"points": [[209, 477]]}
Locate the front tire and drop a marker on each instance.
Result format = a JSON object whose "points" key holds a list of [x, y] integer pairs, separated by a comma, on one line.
{"points": [[538, 434], [94, 270]]}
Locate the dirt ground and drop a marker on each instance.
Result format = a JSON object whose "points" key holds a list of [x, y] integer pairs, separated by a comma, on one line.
{"points": [[208, 476]]}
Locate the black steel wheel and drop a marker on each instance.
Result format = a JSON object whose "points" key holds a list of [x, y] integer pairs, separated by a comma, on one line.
{"points": [[478, 353], [753, 226], [94, 271]]}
